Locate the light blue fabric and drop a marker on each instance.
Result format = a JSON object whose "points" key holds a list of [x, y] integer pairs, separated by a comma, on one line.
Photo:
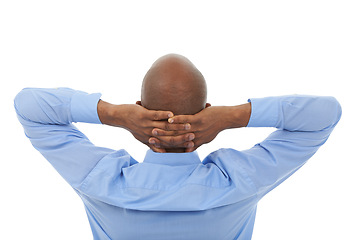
{"points": [[174, 195]]}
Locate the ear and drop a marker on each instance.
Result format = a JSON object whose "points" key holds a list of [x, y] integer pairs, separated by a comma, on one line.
{"points": [[139, 103], [207, 105]]}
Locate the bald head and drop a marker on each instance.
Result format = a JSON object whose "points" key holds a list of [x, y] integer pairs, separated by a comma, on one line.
{"points": [[174, 84]]}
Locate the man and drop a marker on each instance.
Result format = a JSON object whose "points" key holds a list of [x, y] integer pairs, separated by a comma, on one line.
{"points": [[173, 194]]}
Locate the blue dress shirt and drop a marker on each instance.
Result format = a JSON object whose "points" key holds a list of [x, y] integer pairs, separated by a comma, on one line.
{"points": [[174, 195]]}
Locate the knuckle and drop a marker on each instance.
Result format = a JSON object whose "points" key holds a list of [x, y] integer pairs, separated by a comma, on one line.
{"points": [[143, 124], [177, 119], [171, 140], [155, 116], [200, 121], [140, 115], [184, 120], [164, 133]]}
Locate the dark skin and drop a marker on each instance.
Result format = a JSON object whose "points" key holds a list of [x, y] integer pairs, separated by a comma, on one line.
{"points": [[141, 121], [208, 123], [183, 131], [173, 83], [173, 115]]}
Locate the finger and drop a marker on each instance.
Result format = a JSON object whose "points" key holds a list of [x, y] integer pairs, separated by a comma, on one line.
{"points": [[176, 141], [172, 127], [195, 146], [181, 119], [191, 149], [161, 145], [161, 132], [189, 145], [159, 115], [154, 144], [158, 150], [179, 130]]}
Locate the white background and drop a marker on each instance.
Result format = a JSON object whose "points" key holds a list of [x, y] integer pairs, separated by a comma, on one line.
{"points": [[243, 48]]}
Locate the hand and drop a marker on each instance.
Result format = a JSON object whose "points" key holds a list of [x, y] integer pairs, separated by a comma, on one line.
{"points": [[141, 122], [207, 123]]}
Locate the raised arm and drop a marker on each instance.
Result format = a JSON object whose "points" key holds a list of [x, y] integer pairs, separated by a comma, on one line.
{"points": [[304, 124], [47, 116], [140, 122], [208, 123]]}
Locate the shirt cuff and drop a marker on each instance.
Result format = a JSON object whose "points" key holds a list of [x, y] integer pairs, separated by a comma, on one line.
{"points": [[265, 112], [84, 107]]}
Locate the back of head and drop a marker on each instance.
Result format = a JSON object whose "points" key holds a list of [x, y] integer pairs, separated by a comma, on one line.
{"points": [[174, 84]]}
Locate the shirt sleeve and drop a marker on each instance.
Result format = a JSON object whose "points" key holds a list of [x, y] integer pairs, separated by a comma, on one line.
{"points": [[304, 124], [47, 116]]}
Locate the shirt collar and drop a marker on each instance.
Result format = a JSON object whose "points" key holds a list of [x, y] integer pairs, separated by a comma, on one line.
{"points": [[172, 159]]}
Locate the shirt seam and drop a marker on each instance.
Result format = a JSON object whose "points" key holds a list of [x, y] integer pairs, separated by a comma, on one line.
{"points": [[87, 178], [248, 178]]}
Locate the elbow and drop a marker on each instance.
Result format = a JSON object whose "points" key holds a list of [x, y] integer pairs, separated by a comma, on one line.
{"points": [[23, 102], [338, 111], [334, 110]]}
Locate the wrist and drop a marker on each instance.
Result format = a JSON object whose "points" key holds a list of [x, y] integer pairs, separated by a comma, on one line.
{"points": [[238, 116], [106, 113]]}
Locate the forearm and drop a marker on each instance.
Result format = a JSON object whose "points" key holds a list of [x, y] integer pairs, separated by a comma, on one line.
{"points": [[295, 112], [236, 116], [118, 115], [107, 114]]}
